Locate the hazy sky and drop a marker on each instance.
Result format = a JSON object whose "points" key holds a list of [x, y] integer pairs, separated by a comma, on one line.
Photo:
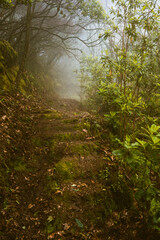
{"points": [[106, 3]]}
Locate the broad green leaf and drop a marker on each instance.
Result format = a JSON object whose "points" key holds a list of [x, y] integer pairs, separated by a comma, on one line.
{"points": [[117, 153], [154, 128], [158, 220], [130, 159], [128, 139], [155, 139], [112, 114], [135, 145], [107, 115], [142, 143]]}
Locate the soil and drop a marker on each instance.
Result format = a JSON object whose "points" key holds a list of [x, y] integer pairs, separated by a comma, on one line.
{"points": [[55, 189]]}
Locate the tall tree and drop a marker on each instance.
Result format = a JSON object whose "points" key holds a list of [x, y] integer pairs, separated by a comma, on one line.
{"points": [[26, 45], [48, 25]]}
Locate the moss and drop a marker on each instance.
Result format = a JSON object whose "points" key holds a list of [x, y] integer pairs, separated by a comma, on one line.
{"points": [[7, 79], [14, 72], [72, 120], [20, 166], [8, 56], [2, 68], [26, 119], [5, 83], [66, 128], [70, 136], [39, 142], [51, 185], [53, 147], [63, 136], [83, 149], [53, 224], [8, 69], [52, 114], [55, 152], [67, 169], [22, 86]]}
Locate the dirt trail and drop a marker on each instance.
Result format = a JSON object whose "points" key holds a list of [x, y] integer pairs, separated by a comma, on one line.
{"points": [[55, 190]]}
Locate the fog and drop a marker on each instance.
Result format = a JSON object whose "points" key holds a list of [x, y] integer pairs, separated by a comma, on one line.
{"points": [[64, 72], [67, 84], [50, 37], [65, 76]]}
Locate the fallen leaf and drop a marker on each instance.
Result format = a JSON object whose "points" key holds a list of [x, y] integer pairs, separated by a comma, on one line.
{"points": [[89, 138], [85, 130], [60, 233], [31, 205], [106, 152], [4, 117], [73, 185], [58, 191], [79, 223], [84, 185], [66, 226], [110, 223], [76, 190], [50, 219], [51, 236], [112, 157]]}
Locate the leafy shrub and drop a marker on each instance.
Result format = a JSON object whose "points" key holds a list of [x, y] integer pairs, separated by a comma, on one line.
{"points": [[142, 156]]}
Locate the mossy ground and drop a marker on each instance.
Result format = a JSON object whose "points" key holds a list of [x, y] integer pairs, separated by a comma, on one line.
{"points": [[63, 186], [52, 114]]}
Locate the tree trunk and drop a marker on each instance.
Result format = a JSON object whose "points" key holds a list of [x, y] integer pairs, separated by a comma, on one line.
{"points": [[26, 47]]}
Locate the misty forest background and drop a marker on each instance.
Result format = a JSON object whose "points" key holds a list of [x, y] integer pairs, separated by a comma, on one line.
{"points": [[106, 55]]}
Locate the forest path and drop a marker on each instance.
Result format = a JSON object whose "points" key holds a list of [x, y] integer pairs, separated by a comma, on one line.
{"points": [[56, 192]]}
